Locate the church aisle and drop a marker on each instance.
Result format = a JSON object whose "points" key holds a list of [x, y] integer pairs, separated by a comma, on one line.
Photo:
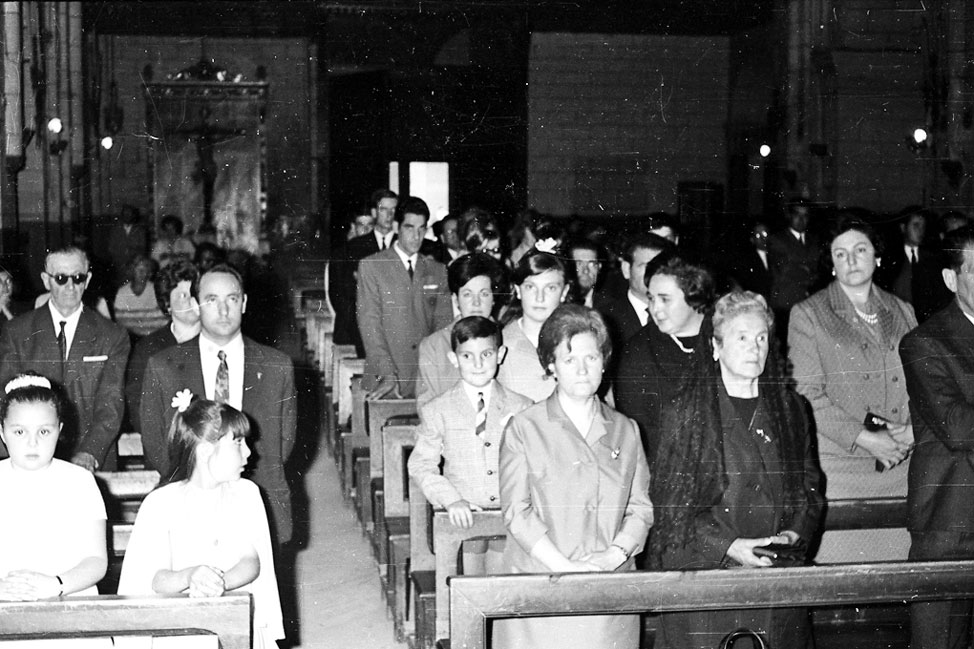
{"points": [[339, 598]]}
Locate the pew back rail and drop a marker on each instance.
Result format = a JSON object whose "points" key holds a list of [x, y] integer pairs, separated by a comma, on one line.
{"points": [[473, 600], [228, 617]]}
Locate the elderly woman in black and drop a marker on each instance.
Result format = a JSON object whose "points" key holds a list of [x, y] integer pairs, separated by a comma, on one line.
{"points": [[734, 472]]}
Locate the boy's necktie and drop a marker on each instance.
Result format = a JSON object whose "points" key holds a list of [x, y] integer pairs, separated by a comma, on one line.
{"points": [[481, 418]]}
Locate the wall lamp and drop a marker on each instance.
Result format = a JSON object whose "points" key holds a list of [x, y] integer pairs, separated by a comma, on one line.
{"points": [[918, 140], [54, 129]]}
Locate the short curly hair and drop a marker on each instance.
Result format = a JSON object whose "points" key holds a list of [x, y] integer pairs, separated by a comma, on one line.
{"points": [[738, 303], [566, 322], [696, 282]]}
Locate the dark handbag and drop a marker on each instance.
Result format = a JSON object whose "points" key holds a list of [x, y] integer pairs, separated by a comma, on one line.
{"points": [[757, 639], [784, 556]]}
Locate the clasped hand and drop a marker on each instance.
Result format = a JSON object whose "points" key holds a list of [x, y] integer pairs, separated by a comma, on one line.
{"points": [[742, 550], [890, 446], [206, 581], [28, 586], [387, 387]]}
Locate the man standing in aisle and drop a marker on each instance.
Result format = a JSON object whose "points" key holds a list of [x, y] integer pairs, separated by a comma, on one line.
{"points": [[402, 298], [341, 274], [78, 348], [938, 361], [223, 365]]}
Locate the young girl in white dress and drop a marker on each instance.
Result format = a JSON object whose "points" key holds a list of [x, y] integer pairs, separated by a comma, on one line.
{"points": [[53, 540], [206, 533]]}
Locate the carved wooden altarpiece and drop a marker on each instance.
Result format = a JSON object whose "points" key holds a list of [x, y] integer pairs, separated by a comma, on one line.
{"points": [[207, 158]]}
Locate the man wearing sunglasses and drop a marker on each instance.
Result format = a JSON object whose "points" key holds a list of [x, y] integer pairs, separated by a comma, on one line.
{"points": [[78, 348]]}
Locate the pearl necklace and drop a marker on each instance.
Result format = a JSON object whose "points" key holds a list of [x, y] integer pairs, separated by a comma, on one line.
{"points": [[680, 345], [868, 318]]}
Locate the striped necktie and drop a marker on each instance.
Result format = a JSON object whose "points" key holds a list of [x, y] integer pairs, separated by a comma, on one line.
{"points": [[481, 418]]}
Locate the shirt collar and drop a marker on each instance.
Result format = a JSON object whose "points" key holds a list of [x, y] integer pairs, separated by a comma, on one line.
{"points": [[56, 316], [472, 393], [640, 307], [795, 233], [207, 345], [405, 258]]}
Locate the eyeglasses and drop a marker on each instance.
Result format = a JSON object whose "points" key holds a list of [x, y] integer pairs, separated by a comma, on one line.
{"points": [[62, 279]]}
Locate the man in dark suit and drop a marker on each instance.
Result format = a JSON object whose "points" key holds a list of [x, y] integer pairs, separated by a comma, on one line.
{"points": [[938, 360], [912, 271], [793, 255], [402, 298], [751, 269], [341, 273], [627, 315], [78, 348], [223, 365]]}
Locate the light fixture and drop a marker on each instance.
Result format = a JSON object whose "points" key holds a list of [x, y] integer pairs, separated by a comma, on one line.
{"points": [[918, 140], [54, 126], [107, 142], [764, 150]]}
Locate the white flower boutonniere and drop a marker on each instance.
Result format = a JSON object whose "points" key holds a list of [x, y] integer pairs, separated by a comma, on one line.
{"points": [[546, 245], [182, 400]]}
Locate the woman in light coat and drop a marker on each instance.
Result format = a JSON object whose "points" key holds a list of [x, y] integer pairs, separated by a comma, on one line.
{"points": [[574, 486], [843, 347]]}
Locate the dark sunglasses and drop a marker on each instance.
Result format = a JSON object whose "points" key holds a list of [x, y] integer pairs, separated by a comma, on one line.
{"points": [[61, 280]]}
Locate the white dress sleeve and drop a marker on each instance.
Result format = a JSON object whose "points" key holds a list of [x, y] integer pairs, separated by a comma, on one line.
{"points": [[148, 549]]}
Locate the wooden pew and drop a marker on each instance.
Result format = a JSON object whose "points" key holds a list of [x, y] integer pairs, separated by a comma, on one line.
{"points": [[394, 523], [354, 438], [420, 604], [228, 617], [123, 492], [378, 412], [333, 387], [474, 600], [447, 541], [875, 513]]}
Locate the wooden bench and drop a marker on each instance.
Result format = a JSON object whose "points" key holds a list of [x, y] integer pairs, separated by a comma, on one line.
{"points": [[378, 412], [447, 541], [331, 392], [228, 617], [393, 526], [475, 600], [123, 492], [354, 438]]}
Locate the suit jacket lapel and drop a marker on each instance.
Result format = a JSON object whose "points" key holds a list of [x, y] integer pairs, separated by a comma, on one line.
{"points": [[253, 374]]}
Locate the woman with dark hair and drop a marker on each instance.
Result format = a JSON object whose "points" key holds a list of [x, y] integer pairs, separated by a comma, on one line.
{"points": [[656, 360], [574, 486], [541, 283], [734, 472], [843, 346]]}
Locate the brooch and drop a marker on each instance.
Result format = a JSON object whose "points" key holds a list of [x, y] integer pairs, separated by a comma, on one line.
{"points": [[763, 435], [615, 453]]}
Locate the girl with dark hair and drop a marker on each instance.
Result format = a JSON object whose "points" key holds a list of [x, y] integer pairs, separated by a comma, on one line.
{"points": [[53, 542], [205, 532], [541, 283], [574, 486], [734, 472]]}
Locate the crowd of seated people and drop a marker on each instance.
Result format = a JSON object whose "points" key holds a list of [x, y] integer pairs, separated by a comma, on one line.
{"points": [[75, 379], [631, 358]]}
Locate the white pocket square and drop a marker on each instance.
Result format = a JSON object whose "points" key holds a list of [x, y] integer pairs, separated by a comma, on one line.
{"points": [[94, 359], [429, 287]]}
